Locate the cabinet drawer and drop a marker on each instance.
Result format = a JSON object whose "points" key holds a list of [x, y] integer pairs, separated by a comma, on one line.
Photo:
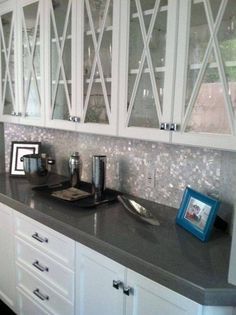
{"points": [[6, 218], [54, 274], [58, 246], [27, 306], [45, 296]]}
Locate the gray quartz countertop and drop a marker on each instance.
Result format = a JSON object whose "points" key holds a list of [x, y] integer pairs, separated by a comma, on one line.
{"points": [[166, 254]]}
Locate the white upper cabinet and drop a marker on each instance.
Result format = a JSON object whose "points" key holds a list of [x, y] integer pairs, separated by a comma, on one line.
{"points": [[30, 61], [9, 109], [205, 91], [60, 63], [98, 52], [147, 60], [82, 65]]}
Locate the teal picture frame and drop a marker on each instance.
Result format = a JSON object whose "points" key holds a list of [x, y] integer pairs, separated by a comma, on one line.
{"points": [[197, 213]]}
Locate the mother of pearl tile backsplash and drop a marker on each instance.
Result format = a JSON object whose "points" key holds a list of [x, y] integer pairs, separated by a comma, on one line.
{"points": [[175, 166]]}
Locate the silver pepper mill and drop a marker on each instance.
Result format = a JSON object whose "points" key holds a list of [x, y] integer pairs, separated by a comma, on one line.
{"points": [[74, 166]]}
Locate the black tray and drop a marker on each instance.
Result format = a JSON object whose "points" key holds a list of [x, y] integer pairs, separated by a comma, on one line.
{"points": [[87, 202]]}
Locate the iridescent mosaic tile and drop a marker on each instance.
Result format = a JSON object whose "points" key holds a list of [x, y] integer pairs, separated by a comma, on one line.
{"points": [[174, 166]]}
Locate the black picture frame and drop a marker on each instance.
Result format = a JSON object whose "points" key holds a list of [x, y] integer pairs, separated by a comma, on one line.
{"points": [[18, 149]]}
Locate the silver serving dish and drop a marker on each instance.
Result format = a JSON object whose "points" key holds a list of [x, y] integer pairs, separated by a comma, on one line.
{"points": [[138, 210]]}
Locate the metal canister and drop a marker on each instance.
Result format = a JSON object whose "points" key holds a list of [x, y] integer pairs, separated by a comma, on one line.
{"points": [[98, 176], [74, 166]]}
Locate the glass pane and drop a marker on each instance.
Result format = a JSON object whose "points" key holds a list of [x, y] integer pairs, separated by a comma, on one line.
{"points": [[8, 80], [215, 5], [36, 60], [31, 71], [67, 58], [60, 8], [135, 44], [145, 5], [3, 66], [160, 76], [6, 24], [54, 60], [96, 112], [209, 113], [106, 54], [8, 102], [97, 8], [60, 110], [88, 55], [144, 112], [30, 15], [227, 43], [33, 101], [157, 43], [198, 41]]}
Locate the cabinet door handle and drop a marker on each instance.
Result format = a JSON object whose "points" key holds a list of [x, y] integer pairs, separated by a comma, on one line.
{"points": [[173, 127], [76, 119], [37, 265], [39, 238], [40, 295], [127, 290], [117, 284], [164, 126]]}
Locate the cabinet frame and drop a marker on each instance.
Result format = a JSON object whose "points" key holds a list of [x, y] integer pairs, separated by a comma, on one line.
{"points": [[154, 134], [210, 140]]}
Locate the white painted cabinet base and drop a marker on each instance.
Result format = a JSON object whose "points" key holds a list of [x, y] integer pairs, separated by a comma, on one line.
{"points": [[7, 257]]}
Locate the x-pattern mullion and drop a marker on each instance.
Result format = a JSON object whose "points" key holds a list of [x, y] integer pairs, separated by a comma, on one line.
{"points": [[97, 60], [146, 54], [219, 60], [7, 60], [213, 43], [31, 51], [60, 51]]}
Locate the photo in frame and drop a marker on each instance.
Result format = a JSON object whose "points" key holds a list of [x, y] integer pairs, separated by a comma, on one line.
{"points": [[18, 149], [197, 213]]}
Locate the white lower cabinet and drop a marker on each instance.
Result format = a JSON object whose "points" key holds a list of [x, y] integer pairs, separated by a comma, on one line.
{"points": [[7, 257], [104, 287], [45, 273], [45, 266], [27, 306], [148, 298], [98, 284]]}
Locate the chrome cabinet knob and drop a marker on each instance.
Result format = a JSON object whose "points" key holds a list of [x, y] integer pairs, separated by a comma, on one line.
{"points": [[164, 126], [127, 290], [173, 127], [117, 284], [76, 119]]}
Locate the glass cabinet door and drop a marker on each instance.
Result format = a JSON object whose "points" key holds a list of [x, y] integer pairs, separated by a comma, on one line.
{"points": [[206, 106], [100, 59], [31, 61], [9, 108], [149, 64], [60, 60]]}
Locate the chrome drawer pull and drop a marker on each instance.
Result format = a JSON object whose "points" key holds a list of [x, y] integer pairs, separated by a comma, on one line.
{"points": [[37, 265], [39, 238], [40, 295]]}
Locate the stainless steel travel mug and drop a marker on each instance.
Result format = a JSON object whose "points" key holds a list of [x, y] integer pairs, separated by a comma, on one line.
{"points": [[98, 176]]}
